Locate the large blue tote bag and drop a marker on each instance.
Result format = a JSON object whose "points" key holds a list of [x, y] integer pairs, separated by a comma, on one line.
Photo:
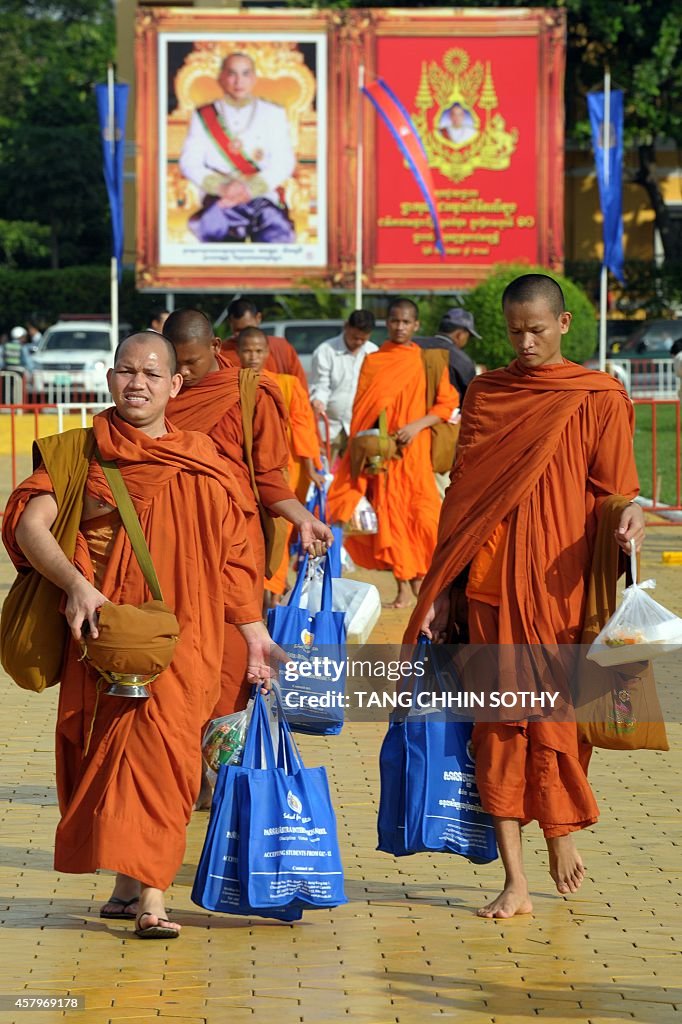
{"points": [[313, 702], [289, 854], [217, 885], [429, 799]]}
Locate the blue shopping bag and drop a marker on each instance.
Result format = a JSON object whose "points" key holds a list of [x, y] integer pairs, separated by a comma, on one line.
{"points": [[217, 885], [289, 855], [391, 820], [312, 688], [443, 810], [317, 503], [429, 800]]}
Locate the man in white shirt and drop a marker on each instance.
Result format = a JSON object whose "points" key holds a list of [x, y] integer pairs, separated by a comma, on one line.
{"points": [[238, 153], [457, 124], [334, 375]]}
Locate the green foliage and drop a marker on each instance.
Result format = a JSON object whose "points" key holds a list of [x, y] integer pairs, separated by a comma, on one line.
{"points": [[485, 302], [50, 152], [23, 241], [649, 287]]}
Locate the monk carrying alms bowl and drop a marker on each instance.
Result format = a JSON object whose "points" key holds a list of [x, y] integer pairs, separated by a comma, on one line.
{"points": [[133, 647]]}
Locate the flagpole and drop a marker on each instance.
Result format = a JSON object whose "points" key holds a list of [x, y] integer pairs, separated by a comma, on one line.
{"points": [[111, 133], [606, 158], [359, 192]]}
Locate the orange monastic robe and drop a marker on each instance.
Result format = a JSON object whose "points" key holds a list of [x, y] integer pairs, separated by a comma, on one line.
{"points": [[282, 359], [540, 451], [304, 443], [126, 803], [405, 497], [212, 406]]}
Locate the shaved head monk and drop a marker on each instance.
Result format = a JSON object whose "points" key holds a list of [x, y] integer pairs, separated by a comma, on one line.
{"points": [[404, 496], [544, 444], [128, 771], [301, 432], [209, 401], [282, 357]]}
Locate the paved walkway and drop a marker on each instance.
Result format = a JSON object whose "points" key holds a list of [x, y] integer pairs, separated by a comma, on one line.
{"points": [[407, 948]]}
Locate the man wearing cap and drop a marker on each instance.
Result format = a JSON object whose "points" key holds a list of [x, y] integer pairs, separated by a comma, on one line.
{"points": [[454, 331]]}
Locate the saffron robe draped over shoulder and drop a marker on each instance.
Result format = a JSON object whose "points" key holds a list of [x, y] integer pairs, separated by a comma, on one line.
{"points": [[304, 443], [213, 407], [540, 450], [283, 358], [126, 803], [405, 497]]}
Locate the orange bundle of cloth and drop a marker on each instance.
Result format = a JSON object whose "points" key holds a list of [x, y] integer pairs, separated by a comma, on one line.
{"points": [[133, 640]]}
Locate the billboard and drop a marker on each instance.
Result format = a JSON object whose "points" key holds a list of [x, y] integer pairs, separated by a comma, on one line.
{"points": [[233, 113], [248, 132]]}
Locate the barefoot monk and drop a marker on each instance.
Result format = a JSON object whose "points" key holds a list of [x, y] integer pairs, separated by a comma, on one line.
{"points": [[404, 495], [544, 443]]}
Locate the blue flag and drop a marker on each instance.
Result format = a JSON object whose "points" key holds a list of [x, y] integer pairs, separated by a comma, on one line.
{"points": [[113, 159], [611, 183]]}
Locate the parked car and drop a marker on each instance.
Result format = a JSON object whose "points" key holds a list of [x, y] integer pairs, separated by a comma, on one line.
{"points": [[306, 335], [71, 360], [642, 361]]}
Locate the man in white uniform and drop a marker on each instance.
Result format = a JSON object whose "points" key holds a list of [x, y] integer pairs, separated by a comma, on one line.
{"points": [[238, 153], [334, 375]]}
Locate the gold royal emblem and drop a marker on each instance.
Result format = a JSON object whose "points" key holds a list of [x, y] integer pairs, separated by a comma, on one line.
{"points": [[465, 131]]}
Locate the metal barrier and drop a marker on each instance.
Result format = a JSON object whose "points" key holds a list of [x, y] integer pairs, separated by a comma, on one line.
{"points": [[646, 378], [666, 471], [22, 423], [11, 387]]}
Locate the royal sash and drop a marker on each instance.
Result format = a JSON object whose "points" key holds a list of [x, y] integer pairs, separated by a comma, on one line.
{"points": [[228, 146]]}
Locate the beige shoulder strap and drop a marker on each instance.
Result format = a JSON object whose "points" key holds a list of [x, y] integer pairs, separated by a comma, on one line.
{"points": [[248, 384]]}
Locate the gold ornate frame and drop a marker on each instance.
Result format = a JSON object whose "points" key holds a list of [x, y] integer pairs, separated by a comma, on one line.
{"points": [[196, 84]]}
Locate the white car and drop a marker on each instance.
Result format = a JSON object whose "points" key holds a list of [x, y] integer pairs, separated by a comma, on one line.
{"points": [[306, 335], [71, 360]]}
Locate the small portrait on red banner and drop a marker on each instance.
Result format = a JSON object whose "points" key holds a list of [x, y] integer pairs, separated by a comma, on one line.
{"points": [[244, 121], [456, 124]]}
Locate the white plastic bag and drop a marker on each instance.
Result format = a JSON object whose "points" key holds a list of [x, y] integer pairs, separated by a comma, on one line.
{"points": [[360, 603], [363, 520], [640, 629], [223, 741]]}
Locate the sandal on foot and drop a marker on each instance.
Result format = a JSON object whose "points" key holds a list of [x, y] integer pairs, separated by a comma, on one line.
{"points": [[155, 931], [119, 915]]}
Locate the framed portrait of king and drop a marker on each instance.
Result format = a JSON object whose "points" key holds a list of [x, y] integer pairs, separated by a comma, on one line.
{"points": [[235, 162]]}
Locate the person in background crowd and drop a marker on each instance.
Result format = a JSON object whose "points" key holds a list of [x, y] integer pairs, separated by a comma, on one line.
{"points": [[454, 332], [403, 494], [158, 318], [282, 359], [335, 372]]}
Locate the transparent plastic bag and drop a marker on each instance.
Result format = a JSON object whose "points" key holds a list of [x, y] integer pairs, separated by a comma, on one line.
{"points": [[223, 741], [640, 629], [363, 520]]}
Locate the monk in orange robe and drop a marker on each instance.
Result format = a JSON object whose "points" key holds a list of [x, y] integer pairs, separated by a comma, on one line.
{"points": [[404, 497], [543, 444], [128, 771], [209, 401], [282, 358], [302, 437]]}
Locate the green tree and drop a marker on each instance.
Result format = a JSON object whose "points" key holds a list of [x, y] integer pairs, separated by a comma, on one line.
{"points": [[485, 302], [50, 151], [23, 239]]}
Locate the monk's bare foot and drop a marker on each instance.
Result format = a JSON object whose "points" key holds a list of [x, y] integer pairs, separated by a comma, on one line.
{"points": [[403, 598], [565, 864], [152, 916], [514, 899], [416, 584], [205, 798]]}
